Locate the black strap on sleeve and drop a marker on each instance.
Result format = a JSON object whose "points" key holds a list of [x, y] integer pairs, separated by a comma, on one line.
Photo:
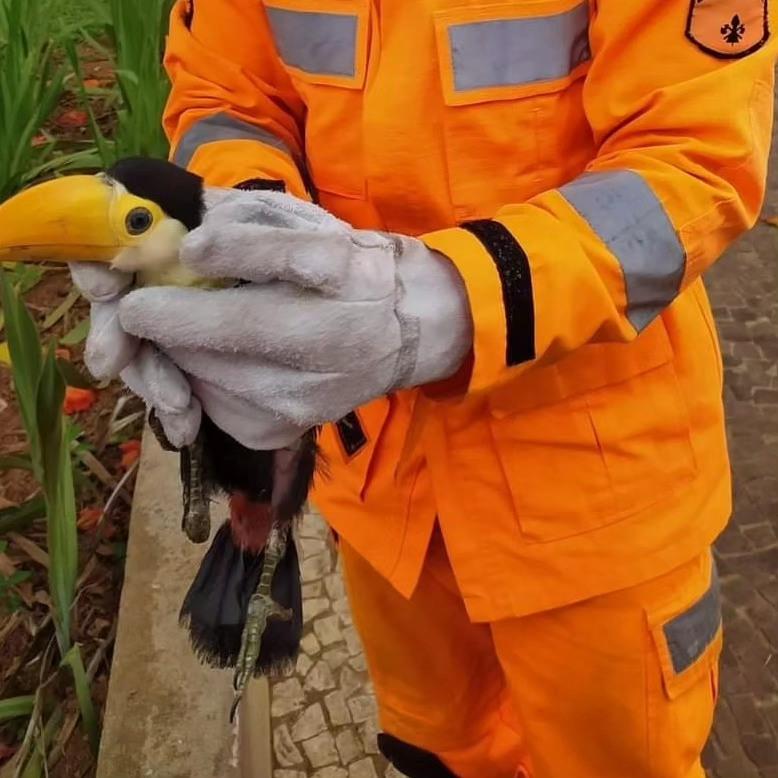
{"points": [[513, 267], [261, 185]]}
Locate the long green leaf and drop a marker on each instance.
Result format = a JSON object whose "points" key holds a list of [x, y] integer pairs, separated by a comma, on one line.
{"points": [[75, 662], [26, 359], [16, 463], [57, 482], [25, 277], [19, 518], [104, 147], [139, 33], [73, 376], [31, 83], [76, 335], [85, 159], [16, 707], [36, 766], [69, 301]]}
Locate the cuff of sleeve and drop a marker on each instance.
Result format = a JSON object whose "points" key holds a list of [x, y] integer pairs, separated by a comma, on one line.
{"points": [[228, 163], [494, 348]]}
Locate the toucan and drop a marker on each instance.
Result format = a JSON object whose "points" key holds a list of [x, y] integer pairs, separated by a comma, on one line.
{"points": [[244, 608]]}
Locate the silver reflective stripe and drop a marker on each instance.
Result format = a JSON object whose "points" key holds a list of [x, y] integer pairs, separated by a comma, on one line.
{"points": [[221, 126], [689, 634], [632, 222], [515, 52], [320, 43]]}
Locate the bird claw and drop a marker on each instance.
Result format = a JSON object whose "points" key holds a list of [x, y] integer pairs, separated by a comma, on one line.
{"points": [[159, 432], [279, 613], [262, 609], [196, 521]]}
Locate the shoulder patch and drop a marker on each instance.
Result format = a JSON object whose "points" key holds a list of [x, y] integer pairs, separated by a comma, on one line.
{"points": [[728, 29]]}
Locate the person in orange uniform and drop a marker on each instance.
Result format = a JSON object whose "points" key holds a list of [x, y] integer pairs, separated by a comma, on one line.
{"points": [[526, 512]]}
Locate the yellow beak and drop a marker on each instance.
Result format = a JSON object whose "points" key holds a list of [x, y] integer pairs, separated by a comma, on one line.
{"points": [[60, 220]]}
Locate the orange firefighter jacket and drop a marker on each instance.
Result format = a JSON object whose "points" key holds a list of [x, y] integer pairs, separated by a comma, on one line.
{"points": [[582, 163]]}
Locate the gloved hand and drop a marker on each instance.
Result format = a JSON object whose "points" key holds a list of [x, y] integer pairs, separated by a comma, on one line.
{"points": [[330, 318], [112, 352]]}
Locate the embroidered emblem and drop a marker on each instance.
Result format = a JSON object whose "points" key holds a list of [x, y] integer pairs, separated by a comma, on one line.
{"points": [[734, 31], [728, 29]]}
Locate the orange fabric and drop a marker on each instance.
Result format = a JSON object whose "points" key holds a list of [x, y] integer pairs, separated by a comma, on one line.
{"points": [[231, 162], [579, 692], [601, 462], [214, 69]]}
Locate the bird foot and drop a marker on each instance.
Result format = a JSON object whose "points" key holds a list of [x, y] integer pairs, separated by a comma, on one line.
{"points": [[196, 521], [159, 432], [261, 610]]}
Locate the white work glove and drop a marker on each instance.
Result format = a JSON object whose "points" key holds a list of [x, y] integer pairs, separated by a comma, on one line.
{"points": [[112, 352], [330, 318]]}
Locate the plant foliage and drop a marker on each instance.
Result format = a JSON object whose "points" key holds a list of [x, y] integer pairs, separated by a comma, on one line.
{"points": [[40, 392]]}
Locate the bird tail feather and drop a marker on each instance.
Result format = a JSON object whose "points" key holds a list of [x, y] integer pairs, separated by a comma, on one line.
{"points": [[216, 605]]}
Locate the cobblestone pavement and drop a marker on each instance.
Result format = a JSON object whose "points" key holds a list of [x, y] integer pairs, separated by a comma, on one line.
{"points": [[323, 715], [743, 288]]}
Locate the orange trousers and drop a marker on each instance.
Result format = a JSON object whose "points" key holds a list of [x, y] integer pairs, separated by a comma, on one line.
{"points": [[619, 686]]}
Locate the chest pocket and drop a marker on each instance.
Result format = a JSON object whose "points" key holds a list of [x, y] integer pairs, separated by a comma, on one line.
{"points": [[323, 44], [511, 76], [607, 436]]}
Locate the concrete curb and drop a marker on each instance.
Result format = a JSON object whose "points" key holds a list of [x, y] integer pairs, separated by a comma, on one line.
{"points": [[167, 716]]}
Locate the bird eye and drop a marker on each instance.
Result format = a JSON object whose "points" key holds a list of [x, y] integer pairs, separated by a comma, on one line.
{"points": [[138, 221]]}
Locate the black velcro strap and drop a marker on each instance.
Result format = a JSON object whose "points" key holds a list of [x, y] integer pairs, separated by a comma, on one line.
{"points": [[351, 434], [410, 760], [261, 185], [513, 266]]}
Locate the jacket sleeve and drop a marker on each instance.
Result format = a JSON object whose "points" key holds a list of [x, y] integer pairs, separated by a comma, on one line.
{"points": [[233, 114], [682, 144]]}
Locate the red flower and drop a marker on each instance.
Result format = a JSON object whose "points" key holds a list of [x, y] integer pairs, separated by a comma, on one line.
{"points": [[89, 518], [73, 118], [78, 400], [130, 453]]}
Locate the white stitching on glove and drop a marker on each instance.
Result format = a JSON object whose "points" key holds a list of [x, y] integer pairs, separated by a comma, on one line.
{"points": [[331, 318]]}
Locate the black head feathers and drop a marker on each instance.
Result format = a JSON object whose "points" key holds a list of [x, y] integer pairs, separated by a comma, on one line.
{"points": [[177, 191]]}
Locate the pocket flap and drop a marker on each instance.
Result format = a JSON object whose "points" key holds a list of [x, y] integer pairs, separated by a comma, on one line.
{"points": [[323, 42], [689, 634], [587, 369], [685, 639], [500, 52]]}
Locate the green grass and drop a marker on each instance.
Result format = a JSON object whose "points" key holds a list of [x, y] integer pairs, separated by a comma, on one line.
{"points": [[32, 81], [136, 33], [79, 13], [40, 392], [30, 87]]}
